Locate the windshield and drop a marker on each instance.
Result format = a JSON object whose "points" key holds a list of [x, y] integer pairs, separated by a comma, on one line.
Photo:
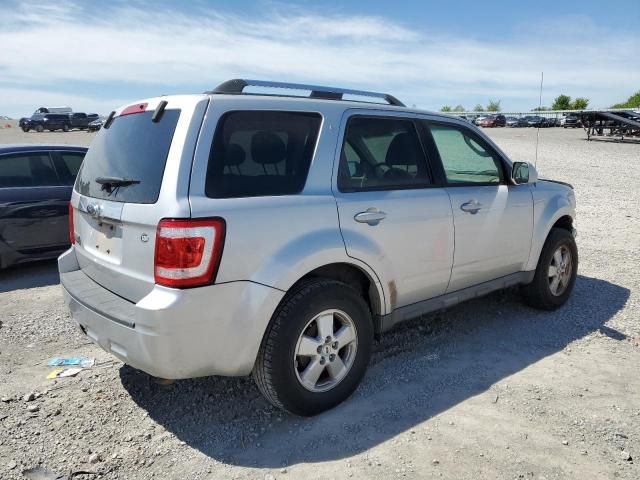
{"points": [[133, 148]]}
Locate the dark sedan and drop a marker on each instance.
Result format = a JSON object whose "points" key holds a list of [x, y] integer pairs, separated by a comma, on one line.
{"points": [[516, 122], [35, 188]]}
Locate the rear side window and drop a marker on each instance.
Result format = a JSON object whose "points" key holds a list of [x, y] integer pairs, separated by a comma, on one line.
{"points": [[381, 154], [465, 158], [133, 147], [27, 170], [260, 153], [68, 165]]}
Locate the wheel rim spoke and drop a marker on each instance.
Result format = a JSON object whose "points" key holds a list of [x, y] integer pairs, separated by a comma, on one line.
{"points": [[325, 326], [312, 373], [553, 271], [554, 284], [308, 346], [558, 257], [345, 336], [336, 368]]}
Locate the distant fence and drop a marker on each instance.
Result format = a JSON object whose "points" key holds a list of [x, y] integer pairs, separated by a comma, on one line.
{"points": [[544, 113]]}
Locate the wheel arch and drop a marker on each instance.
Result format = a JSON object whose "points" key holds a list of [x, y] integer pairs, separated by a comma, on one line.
{"points": [[355, 276], [563, 218]]}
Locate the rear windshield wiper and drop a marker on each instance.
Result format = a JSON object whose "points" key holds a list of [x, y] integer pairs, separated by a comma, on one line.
{"points": [[111, 183]]}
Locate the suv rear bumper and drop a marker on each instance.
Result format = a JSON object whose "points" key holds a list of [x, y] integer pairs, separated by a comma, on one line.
{"points": [[171, 333]]}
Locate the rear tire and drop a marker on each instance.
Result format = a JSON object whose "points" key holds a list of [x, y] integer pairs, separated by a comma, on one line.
{"points": [[556, 272], [320, 326], [39, 128], [65, 128]]}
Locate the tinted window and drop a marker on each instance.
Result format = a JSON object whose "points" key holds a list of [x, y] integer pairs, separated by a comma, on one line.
{"points": [[381, 153], [27, 170], [133, 147], [464, 158], [68, 165], [258, 153]]}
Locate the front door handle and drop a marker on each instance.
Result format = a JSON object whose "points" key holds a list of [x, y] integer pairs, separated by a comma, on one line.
{"points": [[472, 207], [372, 216]]}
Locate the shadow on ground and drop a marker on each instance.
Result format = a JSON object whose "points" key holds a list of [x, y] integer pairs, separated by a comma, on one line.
{"points": [[418, 370], [30, 275]]}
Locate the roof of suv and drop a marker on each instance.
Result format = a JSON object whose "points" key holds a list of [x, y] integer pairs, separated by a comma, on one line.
{"points": [[319, 96]]}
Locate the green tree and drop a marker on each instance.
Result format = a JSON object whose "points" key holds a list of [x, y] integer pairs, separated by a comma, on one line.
{"points": [[478, 108], [580, 103], [632, 102], [540, 109], [459, 108], [494, 106], [561, 102], [446, 108]]}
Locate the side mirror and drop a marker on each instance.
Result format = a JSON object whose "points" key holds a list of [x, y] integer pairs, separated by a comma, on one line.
{"points": [[523, 172]]}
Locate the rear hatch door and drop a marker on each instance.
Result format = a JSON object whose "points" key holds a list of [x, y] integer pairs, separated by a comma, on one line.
{"points": [[135, 173]]}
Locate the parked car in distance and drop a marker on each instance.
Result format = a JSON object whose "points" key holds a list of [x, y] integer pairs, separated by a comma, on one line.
{"points": [[95, 125], [571, 120], [536, 121], [81, 120], [57, 121], [35, 188], [46, 121], [493, 121], [181, 266], [516, 122], [478, 119]]}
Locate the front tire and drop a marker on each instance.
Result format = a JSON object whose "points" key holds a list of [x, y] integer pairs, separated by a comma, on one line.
{"points": [[556, 272], [39, 128], [65, 128], [316, 349]]}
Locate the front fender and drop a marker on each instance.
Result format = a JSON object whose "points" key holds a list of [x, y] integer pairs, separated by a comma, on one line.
{"points": [[547, 210]]}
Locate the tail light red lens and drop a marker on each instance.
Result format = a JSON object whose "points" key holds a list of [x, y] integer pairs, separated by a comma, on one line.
{"points": [[72, 230], [188, 251]]}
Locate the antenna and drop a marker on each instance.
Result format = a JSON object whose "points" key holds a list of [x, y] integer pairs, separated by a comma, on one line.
{"points": [[535, 164]]}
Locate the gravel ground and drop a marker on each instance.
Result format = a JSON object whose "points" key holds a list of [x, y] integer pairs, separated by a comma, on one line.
{"points": [[489, 389]]}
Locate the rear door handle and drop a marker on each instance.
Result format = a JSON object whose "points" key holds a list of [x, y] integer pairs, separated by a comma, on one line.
{"points": [[372, 216], [472, 207]]}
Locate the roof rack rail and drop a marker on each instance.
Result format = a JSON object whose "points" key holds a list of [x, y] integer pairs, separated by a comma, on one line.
{"points": [[237, 86]]}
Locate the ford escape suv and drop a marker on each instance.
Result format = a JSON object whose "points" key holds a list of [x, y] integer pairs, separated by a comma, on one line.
{"points": [[239, 232]]}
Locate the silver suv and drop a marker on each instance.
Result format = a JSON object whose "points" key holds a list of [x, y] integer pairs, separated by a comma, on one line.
{"points": [[233, 232]]}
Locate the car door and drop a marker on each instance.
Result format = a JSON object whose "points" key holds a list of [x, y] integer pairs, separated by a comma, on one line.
{"points": [[493, 219], [392, 216], [33, 203]]}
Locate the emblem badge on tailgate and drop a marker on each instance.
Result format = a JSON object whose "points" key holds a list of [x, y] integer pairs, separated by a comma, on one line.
{"points": [[94, 209]]}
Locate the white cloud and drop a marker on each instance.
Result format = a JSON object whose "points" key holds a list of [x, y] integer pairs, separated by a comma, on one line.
{"points": [[133, 47]]}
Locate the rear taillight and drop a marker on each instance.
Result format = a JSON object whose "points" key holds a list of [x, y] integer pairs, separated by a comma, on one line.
{"points": [[72, 230], [188, 251]]}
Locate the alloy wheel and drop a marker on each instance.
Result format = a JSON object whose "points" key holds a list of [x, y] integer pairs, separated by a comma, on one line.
{"points": [[560, 270], [326, 350]]}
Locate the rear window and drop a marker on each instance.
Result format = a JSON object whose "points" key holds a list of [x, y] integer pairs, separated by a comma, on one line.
{"points": [[133, 147], [260, 153]]}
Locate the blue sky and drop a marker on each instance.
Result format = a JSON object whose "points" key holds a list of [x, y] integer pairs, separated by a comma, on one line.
{"points": [[95, 56]]}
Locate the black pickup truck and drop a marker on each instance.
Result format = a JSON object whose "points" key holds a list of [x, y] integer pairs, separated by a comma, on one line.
{"points": [[82, 120], [57, 121]]}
